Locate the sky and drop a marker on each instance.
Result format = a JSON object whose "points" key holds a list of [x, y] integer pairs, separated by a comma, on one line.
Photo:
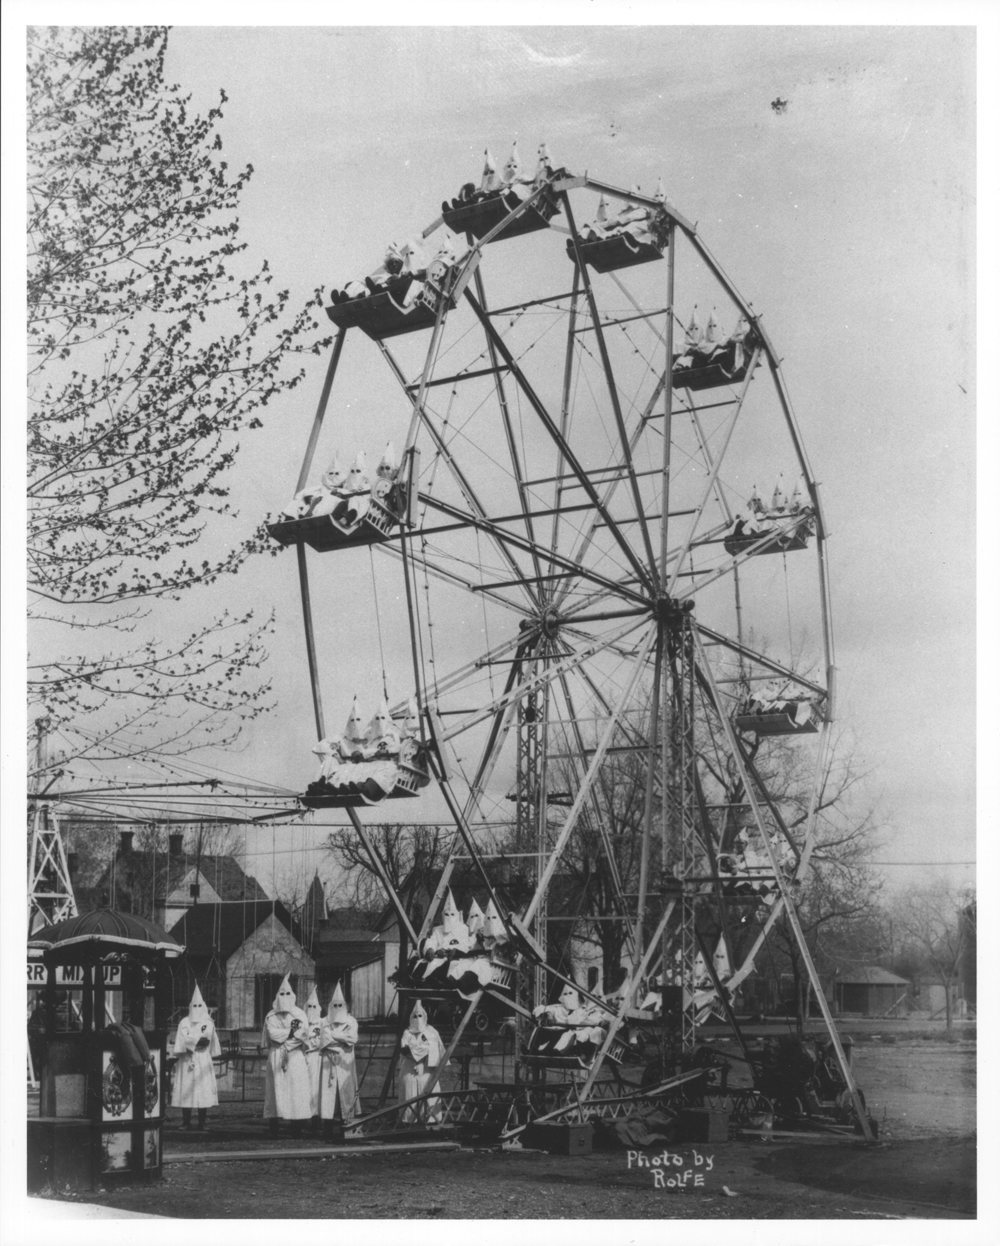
{"points": [[849, 222]]}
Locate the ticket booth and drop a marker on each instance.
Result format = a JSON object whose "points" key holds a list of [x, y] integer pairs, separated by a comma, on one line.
{"points": [[105, 1003]]}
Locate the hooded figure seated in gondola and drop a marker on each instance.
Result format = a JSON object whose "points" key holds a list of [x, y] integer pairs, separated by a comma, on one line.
{"points": [[512, 185], [368, 762], [757, 521], [568, 1028], [705, 359], [773, 701], [749, 862], [395, 275]]}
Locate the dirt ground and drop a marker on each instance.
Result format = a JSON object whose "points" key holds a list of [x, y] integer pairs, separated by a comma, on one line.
{"points": [[922, 1094]]}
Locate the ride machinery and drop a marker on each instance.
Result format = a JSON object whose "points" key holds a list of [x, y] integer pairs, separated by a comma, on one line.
{"points": [[613, 557]]}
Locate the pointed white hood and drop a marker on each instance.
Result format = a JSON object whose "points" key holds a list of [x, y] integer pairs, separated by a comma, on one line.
{"points": [[451, 919], [569, 998], [357, 478], [354, 730], [197, 1009], [284, 1001], [493, 927], [333, 477], [418, 1018], [338, 1006], [778, 499], [476, 920], [693, 331], [313, 1010], [512, 168]]}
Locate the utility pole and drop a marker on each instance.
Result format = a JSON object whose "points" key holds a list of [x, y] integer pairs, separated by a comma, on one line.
{"points": [[50, 890]]}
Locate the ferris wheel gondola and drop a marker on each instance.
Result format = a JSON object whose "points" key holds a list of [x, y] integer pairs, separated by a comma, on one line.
{"points": [[581, 561]]}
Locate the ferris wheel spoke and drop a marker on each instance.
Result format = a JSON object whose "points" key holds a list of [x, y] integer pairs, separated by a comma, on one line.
{"points": [[714, 464], [559, 441], [614, 469], [601, 811], [761, 659], [465, 486], [583, 795], [503, 536], [426, 563], [609, 377], [512, 450], [539, 680]]}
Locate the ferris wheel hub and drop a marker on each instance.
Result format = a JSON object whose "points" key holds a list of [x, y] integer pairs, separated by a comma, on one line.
{"points": [[551, 622], [672, 610]]}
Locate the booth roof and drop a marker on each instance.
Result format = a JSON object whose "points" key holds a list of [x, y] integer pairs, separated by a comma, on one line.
{"points": [[105, 927]]}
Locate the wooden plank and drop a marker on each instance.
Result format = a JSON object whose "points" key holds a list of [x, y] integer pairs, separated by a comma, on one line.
{"points": [[318, 1152]]}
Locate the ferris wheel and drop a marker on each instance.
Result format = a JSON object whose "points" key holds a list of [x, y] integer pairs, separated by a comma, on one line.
{"points": [[614, 561]]}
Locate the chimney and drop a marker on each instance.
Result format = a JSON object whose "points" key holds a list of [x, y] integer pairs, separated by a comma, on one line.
{"points": [[177, 844], [124, 841]]}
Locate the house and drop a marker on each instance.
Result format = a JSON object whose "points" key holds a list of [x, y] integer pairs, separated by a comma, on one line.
{"points": [[238, 952], [869, 991], [362, 959], [163, 884]]}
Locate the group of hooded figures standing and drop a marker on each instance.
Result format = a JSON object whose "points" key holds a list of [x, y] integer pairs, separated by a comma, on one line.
{"points": [[309, 1072]]}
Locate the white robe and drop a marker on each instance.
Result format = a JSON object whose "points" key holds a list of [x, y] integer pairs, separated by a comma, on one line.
{"points": [[194, 1073], [338, 1085], [313, 1065], [420, 1057], [286, 1074]]}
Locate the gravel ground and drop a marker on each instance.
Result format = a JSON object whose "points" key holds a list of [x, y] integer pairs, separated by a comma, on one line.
{"points": [[923, 1093]]}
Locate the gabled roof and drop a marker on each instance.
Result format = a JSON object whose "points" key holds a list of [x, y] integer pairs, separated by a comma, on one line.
{"points": [[135, 869], [871, 975], [220, 929], [223, 874]]}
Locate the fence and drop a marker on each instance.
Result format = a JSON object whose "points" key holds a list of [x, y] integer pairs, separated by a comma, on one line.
{"points": [[240, 1074]]}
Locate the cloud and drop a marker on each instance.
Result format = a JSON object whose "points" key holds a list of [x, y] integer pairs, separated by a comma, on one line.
{"points": [[552, 62]]}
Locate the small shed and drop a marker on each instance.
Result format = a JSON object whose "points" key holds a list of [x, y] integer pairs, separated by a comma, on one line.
{"points": [[239, 953], [869, 991], [362, 962]]}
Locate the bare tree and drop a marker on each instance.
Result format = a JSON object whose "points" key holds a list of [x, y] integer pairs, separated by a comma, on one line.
{"points": [[153, 342], [413, 856], [938, 921]]}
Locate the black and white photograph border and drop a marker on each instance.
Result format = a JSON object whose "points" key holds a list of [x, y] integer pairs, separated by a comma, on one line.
{"points": [[793, 204]]}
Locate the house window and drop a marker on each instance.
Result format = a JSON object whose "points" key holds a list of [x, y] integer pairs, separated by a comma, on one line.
{"points": [[265, 989]]}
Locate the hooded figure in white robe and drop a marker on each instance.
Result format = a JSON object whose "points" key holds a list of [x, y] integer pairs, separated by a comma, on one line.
{"points": [[471, 972], [494, 932], [286, 1073], [314, 1015], [331, 491], [194, 1073], [421, 1054], [347, 768], [381, 750], [356, 494], [338, 1085], [385, 475], [490, 182], [447, 940], [475, 923]]}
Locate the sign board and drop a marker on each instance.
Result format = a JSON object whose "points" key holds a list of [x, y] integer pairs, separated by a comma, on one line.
{"points": [[71, 976]]}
